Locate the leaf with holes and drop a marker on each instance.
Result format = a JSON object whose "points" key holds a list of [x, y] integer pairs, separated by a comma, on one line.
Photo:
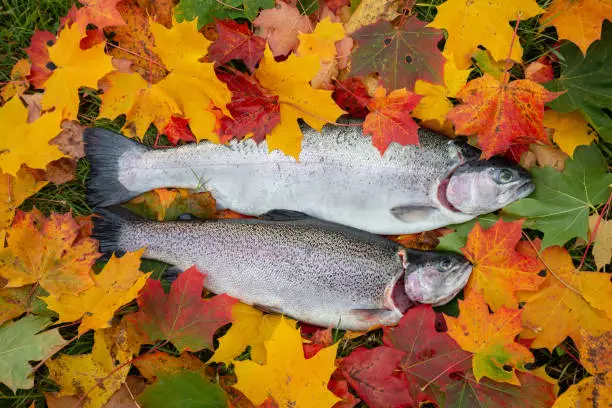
{"points": [[101, 13], [182, 317], [400, 55], [388, 120]]}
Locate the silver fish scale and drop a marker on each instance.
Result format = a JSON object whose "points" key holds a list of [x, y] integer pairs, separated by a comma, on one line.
{"points": [[297, 268], [340, 177]]}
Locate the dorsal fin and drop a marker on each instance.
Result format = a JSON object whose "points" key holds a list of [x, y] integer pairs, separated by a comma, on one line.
{"points": [[284, 215]]}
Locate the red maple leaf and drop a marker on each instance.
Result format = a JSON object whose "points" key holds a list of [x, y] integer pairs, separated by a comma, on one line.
{"points": [[420, 362], [389, 119], [38, 52], [352, 96], [178, 129], [236, 41], [501, 114], [182, 316], [254, 110]]}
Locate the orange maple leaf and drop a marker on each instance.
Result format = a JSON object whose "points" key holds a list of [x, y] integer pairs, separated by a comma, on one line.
{"points": [[501, 114], [499, 271], [101, 13], [389, 121], [490, 337], [49, 251]]}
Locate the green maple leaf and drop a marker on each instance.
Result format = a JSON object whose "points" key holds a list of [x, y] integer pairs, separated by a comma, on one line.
{"points": [[207, 10], [561, 203], [587, 82], [19, 344], [186, 389]]}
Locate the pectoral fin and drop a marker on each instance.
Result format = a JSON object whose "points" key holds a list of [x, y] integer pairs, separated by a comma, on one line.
{"points": [[412, 213]]}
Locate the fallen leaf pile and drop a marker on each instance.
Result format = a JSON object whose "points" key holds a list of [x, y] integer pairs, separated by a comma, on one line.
{"points": [[533, 325]]}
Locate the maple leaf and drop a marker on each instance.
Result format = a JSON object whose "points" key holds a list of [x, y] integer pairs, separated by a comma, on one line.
{"points": [[352, 96], [388, 122], [287, 377], [13, 191], [501, 114], [117, 284], [602, 240], [182, 317], [567, 301], [400, 55], [578, 21], [48, 251], [499, 271], [561, 203], [584, 80], [236, 41], [322, 42], [27, 143], [540, 70], [18, 83], [250, 327], [482, 22], [254, 110], [72, 68], [169, 204], [419, 362], [435, 105], [95, 376], [491, 338], [135, 42], [280, 26], [207, 10], [185, 388], [571, 130], [101, 13], [20, 344], [39, 56], [289, 80], [177, 129]]}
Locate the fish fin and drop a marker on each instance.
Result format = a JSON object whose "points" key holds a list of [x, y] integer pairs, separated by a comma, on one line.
{"points": [[411, 213], [103, 149], [284, 215], [108, 224], [377, 317], [267, 309]]}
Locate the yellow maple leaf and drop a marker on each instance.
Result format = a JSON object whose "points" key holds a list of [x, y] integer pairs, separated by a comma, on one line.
{"points": [[13, 191], [19, 82], [74, 68], [602, 244], [567, 301], [290, 81], [434, 105], [578, 20], [117, 284], [289, 378], [27, 143], [471, 23], [571, 130], [322, 41], [48, 251], [189, 90], [93, 373], [249, 327]]}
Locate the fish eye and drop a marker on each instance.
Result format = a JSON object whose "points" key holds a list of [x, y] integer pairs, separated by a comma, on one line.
{"points": [[445, 264], [504, 176]]}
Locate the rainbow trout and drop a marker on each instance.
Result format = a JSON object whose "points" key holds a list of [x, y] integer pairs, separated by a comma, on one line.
{"points": [[314, 271], [340, 177]]}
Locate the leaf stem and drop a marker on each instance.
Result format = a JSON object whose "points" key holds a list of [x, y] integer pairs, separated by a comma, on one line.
{"points": [[514, 37]]}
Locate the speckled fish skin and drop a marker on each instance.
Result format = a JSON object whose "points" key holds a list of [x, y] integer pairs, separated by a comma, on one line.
{"points": [[316, 272], [340, 177]]}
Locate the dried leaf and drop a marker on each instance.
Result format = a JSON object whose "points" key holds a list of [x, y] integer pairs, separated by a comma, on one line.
{"points": [[280, 26], [602, 242]]}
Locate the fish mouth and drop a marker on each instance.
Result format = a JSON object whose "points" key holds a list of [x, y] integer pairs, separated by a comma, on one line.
{"points": [[525, 189], [442, 195]]}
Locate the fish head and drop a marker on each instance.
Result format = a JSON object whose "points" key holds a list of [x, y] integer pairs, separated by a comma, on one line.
{"points": [[482, 186], [435, 277]]}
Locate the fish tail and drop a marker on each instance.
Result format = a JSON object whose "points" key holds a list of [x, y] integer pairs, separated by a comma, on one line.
{"points": [[108, 223], [104, 150]]}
